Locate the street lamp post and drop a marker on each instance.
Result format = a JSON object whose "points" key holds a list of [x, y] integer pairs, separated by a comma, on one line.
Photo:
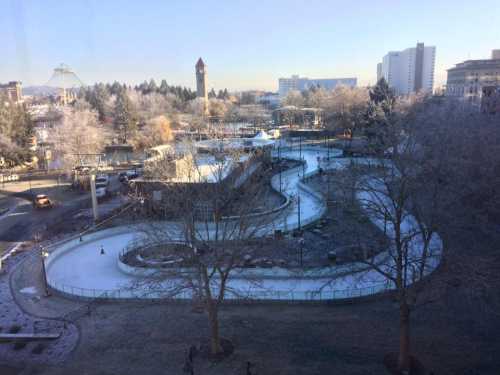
{"points": [[31, 191], [44, 254], [298, 209], [301, 251], [279, 159]]}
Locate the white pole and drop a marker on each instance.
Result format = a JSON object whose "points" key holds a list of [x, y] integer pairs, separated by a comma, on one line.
{"points": [[94, 197]]}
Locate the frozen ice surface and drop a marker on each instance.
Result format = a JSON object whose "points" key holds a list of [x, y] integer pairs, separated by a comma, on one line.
{"points": [[79, 268]]}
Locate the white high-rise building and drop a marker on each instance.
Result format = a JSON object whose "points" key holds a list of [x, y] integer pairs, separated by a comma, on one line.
{"points": [[409, 71]]}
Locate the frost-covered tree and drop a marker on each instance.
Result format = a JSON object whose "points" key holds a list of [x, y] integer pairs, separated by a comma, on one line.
{"points": [[79, 133], [124, 116], [16, 129], [294, 98]]}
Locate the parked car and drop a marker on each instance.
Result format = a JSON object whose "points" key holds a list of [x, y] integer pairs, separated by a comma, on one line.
{"points": [[122, 177], [9, 177], [42, 201], [102, 179], [128, 175], [131, 174], [100, 191], [82, 169]]}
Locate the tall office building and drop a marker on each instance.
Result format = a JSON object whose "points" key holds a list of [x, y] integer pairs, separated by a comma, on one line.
{"points": [[301, 83], [201, 82], [409, 71], [379, 71]]}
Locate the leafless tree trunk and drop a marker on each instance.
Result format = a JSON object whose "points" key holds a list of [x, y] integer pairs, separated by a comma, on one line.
{"points": [[215, 224]]}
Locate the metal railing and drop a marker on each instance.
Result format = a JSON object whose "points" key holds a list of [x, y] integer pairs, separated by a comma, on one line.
{"points": [[253, 295]]}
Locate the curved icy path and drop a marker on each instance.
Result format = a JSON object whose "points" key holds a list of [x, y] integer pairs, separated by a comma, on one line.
{"points": [[78, 268]]}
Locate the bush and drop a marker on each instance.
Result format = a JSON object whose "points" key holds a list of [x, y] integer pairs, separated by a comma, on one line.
{"points": [[38, 349], [19, 345], [15, 329]]}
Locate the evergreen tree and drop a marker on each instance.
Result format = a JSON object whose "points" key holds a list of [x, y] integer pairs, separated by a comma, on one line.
{"points": [[380, 115], [124, 116], [97, 97], [163, 87], [115, 88], [16, 132], [152, 87], [212, 94], [143, 87]]}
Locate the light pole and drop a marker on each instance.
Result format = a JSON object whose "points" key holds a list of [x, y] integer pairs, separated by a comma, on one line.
{"points": [[44, 254], [279, 159], [298, 210], [300, 146], [31, 191], [301, 250], [94, 197]]}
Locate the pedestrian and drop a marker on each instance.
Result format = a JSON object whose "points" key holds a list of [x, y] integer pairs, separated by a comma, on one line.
{"points": [[249, 365], [188, 364], [102, 250], [192, 353]]}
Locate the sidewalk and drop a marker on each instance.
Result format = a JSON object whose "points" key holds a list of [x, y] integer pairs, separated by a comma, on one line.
{"points": [[34, 319]]}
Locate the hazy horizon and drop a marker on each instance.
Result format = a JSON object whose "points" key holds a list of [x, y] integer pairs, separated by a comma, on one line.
{"points": [[245, 46]]}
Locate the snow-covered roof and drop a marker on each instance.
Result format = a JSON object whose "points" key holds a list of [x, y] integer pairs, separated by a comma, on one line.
{"points": [[262, 135]]}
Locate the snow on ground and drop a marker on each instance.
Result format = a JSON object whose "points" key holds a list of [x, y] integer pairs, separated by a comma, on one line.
{"points": [[13, 318], [29, 290], [79, 268]]}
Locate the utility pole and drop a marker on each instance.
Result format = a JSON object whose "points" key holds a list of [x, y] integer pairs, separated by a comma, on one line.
{"points": [[94, 197], [327, 186], [298, 211], [300, 146], [31, 190], [280, 177]]}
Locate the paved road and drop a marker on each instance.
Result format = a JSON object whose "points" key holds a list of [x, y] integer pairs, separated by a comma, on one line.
{"points": [[22, 220]]}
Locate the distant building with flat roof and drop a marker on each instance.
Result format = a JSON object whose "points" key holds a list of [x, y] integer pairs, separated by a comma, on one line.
{"points": [[12, 90], [466, 80], [490, 100], [301, 83]]}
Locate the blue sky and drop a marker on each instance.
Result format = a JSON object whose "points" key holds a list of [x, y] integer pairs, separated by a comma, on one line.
{"points": [[246, 44]]}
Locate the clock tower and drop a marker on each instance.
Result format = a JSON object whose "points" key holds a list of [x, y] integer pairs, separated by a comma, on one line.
{"points": [[201, 82]]}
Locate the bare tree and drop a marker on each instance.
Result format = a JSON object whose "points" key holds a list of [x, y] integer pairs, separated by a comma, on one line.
{"points": [[213, 203], [399, 197], [387, 194]]}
